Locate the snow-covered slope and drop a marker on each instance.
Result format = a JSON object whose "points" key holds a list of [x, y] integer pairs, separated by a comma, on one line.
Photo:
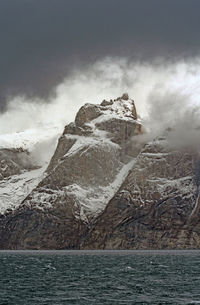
{"points": [[14, 189]]}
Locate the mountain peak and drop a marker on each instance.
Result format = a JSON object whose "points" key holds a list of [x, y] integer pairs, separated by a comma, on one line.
{"points": [[121, 108], [103, 190]]}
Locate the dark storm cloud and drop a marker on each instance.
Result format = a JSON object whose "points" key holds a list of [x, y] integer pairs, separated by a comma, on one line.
{"points": [[42, 40]]}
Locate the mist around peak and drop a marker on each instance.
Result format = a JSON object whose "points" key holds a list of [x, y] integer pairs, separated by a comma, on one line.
{"points": [[166, 96]]}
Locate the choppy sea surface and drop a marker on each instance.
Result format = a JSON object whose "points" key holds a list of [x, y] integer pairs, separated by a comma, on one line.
{"points": [[99, 277]]}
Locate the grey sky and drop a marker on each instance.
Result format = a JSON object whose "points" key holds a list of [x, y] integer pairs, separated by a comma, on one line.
{"points": [[42, 40]]}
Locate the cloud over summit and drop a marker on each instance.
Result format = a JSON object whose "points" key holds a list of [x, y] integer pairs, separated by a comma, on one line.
{"points": [[42, 42]]}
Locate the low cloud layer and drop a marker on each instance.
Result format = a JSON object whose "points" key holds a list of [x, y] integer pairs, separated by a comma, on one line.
{"points": [[42, 42], [165, 96], [175, 116]]}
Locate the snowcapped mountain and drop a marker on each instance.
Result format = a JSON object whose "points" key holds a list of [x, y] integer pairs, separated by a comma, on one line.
{"points": [[92, 157], [101, 188]]}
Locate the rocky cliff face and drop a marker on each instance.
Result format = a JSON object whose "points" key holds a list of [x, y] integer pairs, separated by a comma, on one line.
{"points": [[155, 206], [102, 191]]}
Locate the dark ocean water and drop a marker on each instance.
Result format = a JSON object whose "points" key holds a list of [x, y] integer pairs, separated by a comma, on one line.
{"points": [[115, 277]]}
